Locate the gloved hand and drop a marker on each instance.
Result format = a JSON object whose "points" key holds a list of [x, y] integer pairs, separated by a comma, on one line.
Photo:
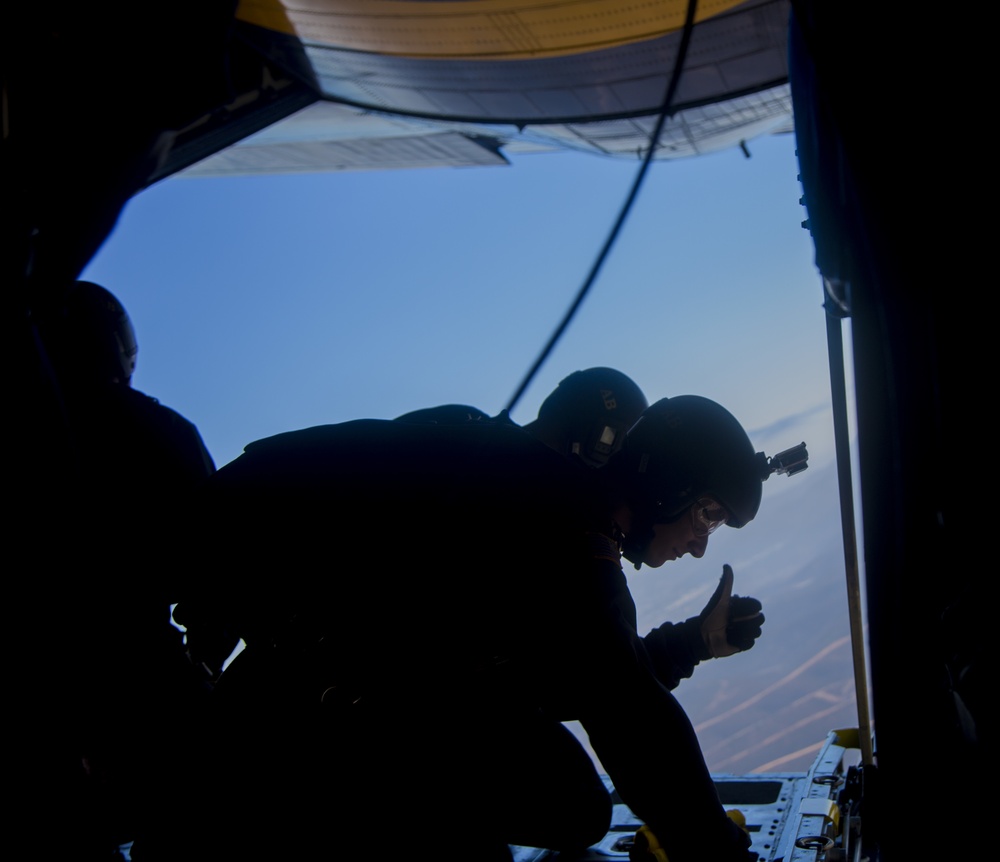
{"points": [[740, 820], [729, 624], [645, 847]]}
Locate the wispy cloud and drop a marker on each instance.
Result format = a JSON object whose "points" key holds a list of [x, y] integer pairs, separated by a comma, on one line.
{"points": [[787, 423]]}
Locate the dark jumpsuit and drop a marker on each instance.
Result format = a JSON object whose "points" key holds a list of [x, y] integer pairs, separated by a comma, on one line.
{"points": [[422, 606]]}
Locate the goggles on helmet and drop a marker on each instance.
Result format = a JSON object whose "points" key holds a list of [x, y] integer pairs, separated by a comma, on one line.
{"points": [[707, 515]]}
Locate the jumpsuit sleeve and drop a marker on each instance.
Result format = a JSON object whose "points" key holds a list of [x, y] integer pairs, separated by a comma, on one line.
{"points": [[641, 733], [674, 650]]}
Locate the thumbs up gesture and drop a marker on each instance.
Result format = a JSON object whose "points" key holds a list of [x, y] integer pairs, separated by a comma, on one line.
{"points": [[730, 623]]}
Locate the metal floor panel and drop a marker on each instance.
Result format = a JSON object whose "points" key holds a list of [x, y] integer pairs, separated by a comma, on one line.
{"points": [[791, 817]]}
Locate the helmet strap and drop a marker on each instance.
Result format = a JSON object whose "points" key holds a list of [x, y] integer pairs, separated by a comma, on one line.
{"points": [[644, 518], [636, 541]]}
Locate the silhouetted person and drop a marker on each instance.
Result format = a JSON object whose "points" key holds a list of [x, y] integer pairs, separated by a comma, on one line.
{"points": [[424, 604], [586, 416], [129, 696], [589, 413]]}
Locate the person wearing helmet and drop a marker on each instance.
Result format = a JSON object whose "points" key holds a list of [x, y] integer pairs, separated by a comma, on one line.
{"points": [[682, 450], [125, 667], [382, 685], [97, 342], [91, 342], [585, 417], [588, 414], [687, 468]]}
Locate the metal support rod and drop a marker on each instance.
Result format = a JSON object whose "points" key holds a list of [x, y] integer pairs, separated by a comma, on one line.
{"points": [[838, 390]]}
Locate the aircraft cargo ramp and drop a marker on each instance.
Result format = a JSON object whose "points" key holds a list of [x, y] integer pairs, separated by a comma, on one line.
{"points": [[791, 817]]}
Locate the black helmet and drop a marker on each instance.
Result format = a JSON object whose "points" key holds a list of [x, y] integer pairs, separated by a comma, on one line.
{"points": [[98, 343], [688, 447], [593, 409]]}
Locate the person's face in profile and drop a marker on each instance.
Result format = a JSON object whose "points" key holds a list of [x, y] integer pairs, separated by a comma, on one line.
{"points": [[686, 535]]}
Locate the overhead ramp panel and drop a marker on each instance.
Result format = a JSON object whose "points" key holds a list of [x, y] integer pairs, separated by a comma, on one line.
{"points": [[532, 61]]}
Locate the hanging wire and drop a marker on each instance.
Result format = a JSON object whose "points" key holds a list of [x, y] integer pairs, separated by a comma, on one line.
{"points": [[613, 236]]}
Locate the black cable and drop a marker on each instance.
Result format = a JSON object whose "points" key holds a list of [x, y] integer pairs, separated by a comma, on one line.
{"points": [[610, 241]]}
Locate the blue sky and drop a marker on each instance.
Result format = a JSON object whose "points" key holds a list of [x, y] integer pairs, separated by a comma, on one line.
{"points": [[265, 304], [269, 303]]}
